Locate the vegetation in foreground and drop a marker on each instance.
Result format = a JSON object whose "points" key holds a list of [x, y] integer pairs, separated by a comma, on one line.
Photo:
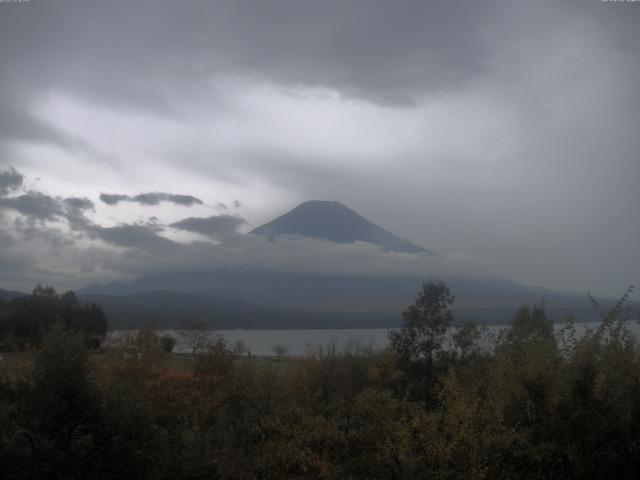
{"points": [[536, 404]]}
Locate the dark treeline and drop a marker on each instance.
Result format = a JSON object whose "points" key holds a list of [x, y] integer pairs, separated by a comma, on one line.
{"points": [[26, 320], [529, 403]]}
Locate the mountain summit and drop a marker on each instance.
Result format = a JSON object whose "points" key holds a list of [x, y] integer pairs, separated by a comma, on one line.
{"points": [[335, 222]]}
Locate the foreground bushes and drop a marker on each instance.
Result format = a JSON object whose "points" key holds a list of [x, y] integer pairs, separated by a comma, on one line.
{"points": [[531, 403]]}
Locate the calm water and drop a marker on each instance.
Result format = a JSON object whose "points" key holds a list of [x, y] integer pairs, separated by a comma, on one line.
{"points": [[299, 342]]}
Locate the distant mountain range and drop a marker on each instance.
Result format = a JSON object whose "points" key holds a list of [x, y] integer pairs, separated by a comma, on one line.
{"points": [[168, 309], [294, 300], [228, 298], [7, 295], [337, 223]]}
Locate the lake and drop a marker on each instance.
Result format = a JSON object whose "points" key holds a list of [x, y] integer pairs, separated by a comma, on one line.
{"points": [[299, 342]]}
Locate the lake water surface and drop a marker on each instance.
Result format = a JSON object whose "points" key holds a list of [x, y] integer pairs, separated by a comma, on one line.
{"points": [[299, 342]]}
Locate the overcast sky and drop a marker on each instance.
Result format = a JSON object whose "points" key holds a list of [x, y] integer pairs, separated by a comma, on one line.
{"points": [[504, 135]]}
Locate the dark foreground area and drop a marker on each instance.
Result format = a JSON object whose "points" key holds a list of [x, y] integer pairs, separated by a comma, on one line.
{"points": [[536, 404]]}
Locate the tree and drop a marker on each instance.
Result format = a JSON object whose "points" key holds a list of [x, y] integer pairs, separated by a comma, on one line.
{"points": [[240, 347], [167, 343], [530, 323], [419, 341], [466, 340], [62, 405], [280, 350], [26, 320], [93, 324], [195, 335], [146, 340], [62, 383]]}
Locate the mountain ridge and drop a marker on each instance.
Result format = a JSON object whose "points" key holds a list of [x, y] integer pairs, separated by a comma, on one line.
{"points": [[324, 299], [7, 295]]}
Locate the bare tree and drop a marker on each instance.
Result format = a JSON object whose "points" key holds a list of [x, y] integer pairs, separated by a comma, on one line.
{"points": [[195, 335], [240, 347], [280, 350]]}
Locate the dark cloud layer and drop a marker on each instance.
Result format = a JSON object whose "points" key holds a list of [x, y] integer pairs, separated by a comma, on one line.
{"points": [[37, 206], [151, 198], [212, 226], [133, 236], [34, 205], [375, 49], [10, 179], [113, 199], [78, 203], [379, 50]]}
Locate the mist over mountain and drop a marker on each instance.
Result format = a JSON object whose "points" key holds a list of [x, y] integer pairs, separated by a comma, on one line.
{"points": [[328, 220], [255, 294], [258, 297]]}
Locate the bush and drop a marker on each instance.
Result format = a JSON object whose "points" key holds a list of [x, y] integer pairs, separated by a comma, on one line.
{"points": [[167, 343]]}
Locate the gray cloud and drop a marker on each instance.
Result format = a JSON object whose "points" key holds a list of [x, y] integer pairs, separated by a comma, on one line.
{"points": [[376, 50], [113, 199], [52, 236], [10, 179], [37, 208], [34, 205], [142, 237], [151, 198], [154, 198], [44, 254], [16, 123], [212, 226], [531, 161], [75, 208], [37, 248], [78, 203]]}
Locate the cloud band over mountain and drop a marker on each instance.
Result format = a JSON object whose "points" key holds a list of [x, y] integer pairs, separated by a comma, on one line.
{"points": [[211, 226], [151, 198], [60, 241]]}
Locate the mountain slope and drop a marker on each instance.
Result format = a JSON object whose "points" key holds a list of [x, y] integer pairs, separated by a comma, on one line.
{"points": [[335, 222]]}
